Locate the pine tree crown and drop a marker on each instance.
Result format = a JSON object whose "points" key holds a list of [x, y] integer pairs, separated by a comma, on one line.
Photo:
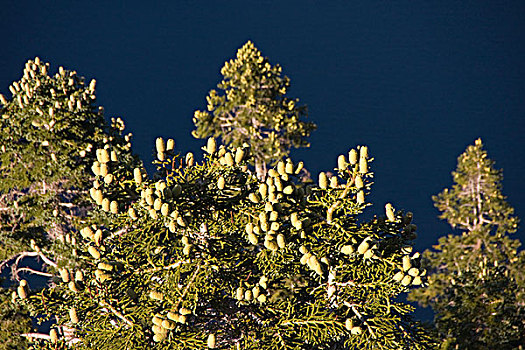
{"points": [[475, 201], [250, 106]]}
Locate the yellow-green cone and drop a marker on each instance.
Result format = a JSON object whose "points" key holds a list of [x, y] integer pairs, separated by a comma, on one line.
{"points": [[137, 176], [211, 146], [113, 207], [53, 336], [228, 159], [173, 316], [281, 242], [64, 274], [323, 180], [220, 183], [184, 311], [398, 276], [356, 330], [21, 292], [103, 169], [105, 204], [289, 167], [170, 145], [363, 247], [414, 271], [253, 239], [406, 280], [417, 281], [239, 293], [281, 168], [407, 264], [263, 189], [239, 155], [359, 182], [108, 179], [288, 190], [73, 286], [165, 209], [347, 249], [360, 197], [349, 324], [352, 156], [211, 341], [158, 337], [167, 325], [363, 165], [73, 315], [160, 145], [156, 295], [341, 163], [94, 252], [254, 198], [390, 212]]}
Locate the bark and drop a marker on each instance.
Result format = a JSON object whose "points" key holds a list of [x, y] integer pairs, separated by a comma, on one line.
{"points": [[260, 169]]}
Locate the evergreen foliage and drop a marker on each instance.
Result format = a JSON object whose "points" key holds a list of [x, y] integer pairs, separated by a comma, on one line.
{"points": [[49, 131], [206, 255], [201, 254], [14, 320], [476, 281], [251, 107]]}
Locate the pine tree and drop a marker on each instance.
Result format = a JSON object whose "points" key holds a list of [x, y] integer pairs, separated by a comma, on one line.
{"points": [[251, 107], [206, 255], [476, 284], [49, 131]]}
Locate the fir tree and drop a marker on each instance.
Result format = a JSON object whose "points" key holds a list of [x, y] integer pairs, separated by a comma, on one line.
{"points": [[251, 107], [49, 131], [205, 255], [476, 284]]}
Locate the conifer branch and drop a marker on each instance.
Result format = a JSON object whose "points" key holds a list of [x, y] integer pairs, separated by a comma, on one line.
{"points": [[333, 207], [168, 267], [36, 336], [68, 205], [361, 318], [46, 259], [30, 270], [188, 284], [22, 255], [115, 312]]}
